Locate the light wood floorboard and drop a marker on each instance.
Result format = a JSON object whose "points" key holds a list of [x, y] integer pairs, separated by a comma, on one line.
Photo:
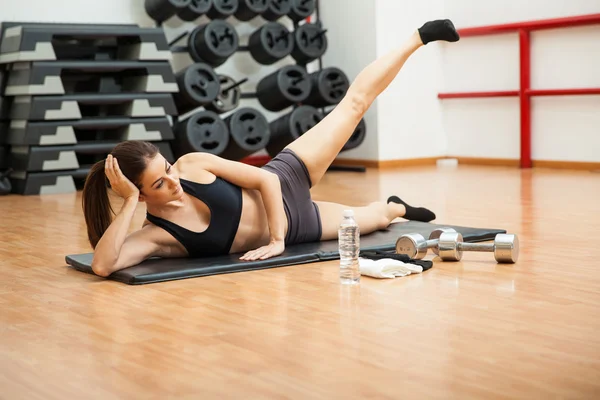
{"points": [[472, 329]]}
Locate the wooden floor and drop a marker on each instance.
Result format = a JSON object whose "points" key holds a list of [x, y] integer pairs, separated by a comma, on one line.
{"points": [[474, 329]]}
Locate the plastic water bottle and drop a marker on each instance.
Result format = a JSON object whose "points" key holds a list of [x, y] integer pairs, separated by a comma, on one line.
{"points": [[349, 247]]}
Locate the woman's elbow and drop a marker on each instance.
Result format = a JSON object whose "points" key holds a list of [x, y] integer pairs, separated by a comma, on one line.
{"points": [[100, 268], [271, 180]]}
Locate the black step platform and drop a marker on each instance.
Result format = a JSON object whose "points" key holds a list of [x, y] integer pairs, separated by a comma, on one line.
{"points": [[48, 133], [27, 41], [59, 158], [76, 106], [4, 101], [4, 154], [5, 105], [71, 77], [54, 182], [4, 129]]}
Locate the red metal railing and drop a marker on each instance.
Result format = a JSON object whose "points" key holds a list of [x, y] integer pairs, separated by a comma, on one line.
{"points": [[525, 92]]}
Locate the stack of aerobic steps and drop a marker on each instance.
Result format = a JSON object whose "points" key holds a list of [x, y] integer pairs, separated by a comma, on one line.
{"points": [[74, 91]]}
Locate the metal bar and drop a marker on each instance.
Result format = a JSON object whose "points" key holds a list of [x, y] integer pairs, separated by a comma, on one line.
{"points": [[554, 23], [178, 38], [525, 83], [562, 92], [179, 49], [473, 95]]}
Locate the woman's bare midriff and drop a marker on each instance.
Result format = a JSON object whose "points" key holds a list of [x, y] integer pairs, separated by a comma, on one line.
{"points": [[253, 229]]}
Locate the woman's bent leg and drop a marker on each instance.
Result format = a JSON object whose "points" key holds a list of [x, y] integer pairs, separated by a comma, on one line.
{"points": [[375, 216]]}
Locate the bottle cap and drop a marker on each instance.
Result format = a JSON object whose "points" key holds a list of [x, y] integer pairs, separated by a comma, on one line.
{"points": [[348, 213]]}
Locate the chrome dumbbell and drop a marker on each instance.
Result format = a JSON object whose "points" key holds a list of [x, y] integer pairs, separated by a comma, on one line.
{"points": [[505, 247], [415, 246]]}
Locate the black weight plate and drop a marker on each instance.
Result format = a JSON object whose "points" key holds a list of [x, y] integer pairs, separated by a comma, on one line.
{"points": [[329, 86], [227, 100], [204, 132], [286, 86], [270, 43], [162, 10], [277, 9], [213, 43], [198, 85], [249, 132], [310, 43], [291, 126], [303, 119], [357, 137], [249, 9], [196, 9], [223, 9], [301, 9]]}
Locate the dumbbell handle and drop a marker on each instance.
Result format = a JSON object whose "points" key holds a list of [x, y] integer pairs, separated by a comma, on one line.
{"points": [[487, 247], [429, 243]]}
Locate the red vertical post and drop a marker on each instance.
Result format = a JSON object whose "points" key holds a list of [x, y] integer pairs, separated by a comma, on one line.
{"points": [[525, 84]]}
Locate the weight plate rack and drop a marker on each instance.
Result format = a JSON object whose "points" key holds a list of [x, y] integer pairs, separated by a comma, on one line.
{"points": [[303, 98], [71, 92]]}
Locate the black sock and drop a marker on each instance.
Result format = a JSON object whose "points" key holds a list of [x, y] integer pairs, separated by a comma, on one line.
{"points": [[440, 29], [414, 213]]}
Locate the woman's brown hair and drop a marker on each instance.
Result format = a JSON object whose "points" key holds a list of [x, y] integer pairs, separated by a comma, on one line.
{"points": [[132, 157]]}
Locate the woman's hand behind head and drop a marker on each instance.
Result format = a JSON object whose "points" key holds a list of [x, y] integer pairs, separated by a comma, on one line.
{"points": [[118, 182]]}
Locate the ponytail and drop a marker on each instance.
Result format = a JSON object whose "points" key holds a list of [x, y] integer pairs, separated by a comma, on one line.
{"points": [[96, 205]]}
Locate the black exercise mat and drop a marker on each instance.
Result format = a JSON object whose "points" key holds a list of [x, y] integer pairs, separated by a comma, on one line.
{"points": [[160, 270]]}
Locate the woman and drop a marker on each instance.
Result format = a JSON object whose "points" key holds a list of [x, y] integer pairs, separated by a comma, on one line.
{"points": [[203, 205]]}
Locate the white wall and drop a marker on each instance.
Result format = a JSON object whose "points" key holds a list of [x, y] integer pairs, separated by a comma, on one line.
{"points": [[351, 48], [563, 128], [409, 118]]}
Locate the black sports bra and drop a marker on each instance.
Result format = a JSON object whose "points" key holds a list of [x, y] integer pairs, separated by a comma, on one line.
{"points": [[224, 200]]}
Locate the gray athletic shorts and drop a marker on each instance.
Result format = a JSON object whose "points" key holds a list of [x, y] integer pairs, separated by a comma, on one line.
{"points": [[304, 220]]}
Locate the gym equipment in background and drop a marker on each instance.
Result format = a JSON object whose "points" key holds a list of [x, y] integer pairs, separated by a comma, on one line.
{"points": [[56, 41], [194, 10], [277, 9], [310, 43], [198, 85], [291, 126], [249, 132], [79, 90], [229, 95], [270, 43], [243, 132], [212, 43], [203, 131], [85, 130], [161, 270], [5, 185], [223, 9], [248, 9], [90, 76], [283, 88], [162, 10], [329, 86], [87, 105]]}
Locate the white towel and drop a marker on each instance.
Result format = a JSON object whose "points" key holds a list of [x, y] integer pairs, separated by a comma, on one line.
{"points": [[387, 268]]}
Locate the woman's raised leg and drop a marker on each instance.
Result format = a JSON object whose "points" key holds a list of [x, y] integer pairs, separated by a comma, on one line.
{"points": [[320, 145]]}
